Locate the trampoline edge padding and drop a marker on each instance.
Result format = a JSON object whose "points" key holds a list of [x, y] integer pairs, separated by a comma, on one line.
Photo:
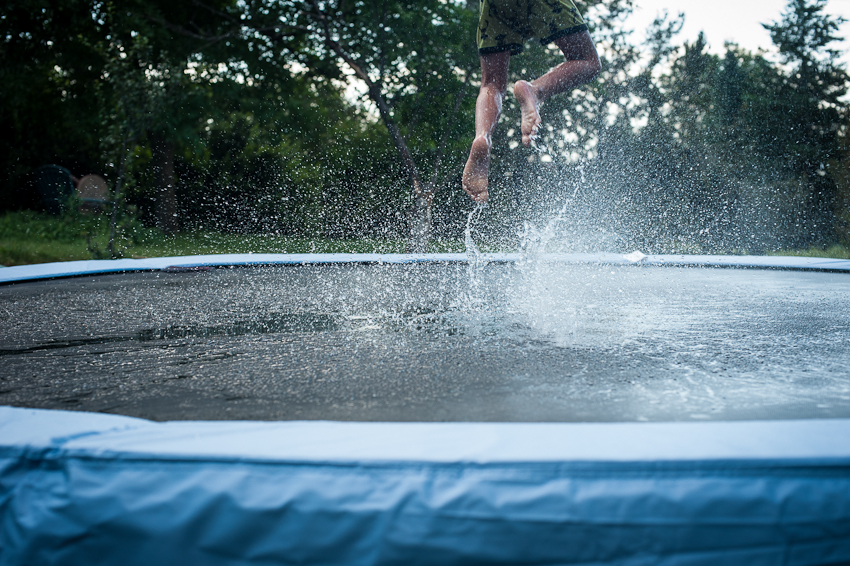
{"points": [[94, 267], [92, 488]]}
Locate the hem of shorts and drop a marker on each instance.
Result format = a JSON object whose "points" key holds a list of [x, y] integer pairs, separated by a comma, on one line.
{"points": [[562, 33], [514, 48]]}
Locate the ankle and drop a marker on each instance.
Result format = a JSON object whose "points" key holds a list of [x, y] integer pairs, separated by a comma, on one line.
{"points": [[483, 137], [530, 91], [537, 91]]}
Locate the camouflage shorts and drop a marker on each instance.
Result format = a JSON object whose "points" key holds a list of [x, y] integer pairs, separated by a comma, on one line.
{"points": [[506, 24]]}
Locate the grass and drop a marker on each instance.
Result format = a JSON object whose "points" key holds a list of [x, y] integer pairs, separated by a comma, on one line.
{"points": [[836, 252], [28, 237], [17, 251], [216, 243]]}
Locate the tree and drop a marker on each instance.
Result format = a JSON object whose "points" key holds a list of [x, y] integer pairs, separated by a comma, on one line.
{"points": [[415, 60], [47, 113], [58, 102], [730, 90], [808, 110], [176, 104]]}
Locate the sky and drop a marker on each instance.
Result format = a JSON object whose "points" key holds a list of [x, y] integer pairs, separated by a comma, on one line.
{"points": [[731, 20]]}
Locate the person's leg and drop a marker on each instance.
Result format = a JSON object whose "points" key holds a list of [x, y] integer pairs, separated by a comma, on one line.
{"points": [[582, 65], [494, 83]]}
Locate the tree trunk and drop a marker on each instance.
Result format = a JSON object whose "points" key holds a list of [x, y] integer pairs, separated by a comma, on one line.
{"points": [[420, 212], [166, 199], [420, 222], [423, 195]]}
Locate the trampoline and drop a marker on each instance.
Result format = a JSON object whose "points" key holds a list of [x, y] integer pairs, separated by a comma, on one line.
{"points": [[578, 409]]}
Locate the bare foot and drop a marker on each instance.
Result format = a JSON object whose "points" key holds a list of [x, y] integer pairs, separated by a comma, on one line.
{"points": [[526, 95], [476, 170]]}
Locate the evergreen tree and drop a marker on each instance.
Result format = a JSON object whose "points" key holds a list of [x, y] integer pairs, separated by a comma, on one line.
{"points": [[730, 90], [807, 111]]}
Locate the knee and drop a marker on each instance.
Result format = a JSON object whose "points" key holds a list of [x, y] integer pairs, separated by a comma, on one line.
{"points": [[493, 91], [494, 88], [592, 64], [594, 68]]}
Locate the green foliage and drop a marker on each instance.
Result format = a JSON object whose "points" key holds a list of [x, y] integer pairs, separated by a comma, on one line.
{"points": [[414, 60], [47, 112], [672, 147], [283, 183], [112, 240], [808, 97]]}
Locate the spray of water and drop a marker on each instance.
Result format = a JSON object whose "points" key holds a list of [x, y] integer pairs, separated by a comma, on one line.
{"points": [[472, 252], [475, 260], [533, 240], [542, 297], [534, 301]]}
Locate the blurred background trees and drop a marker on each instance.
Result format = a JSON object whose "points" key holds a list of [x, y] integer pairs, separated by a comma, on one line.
{"points": [[343, 118]]}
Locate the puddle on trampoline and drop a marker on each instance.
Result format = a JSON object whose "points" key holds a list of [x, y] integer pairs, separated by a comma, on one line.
{"points": [[576, 342]]}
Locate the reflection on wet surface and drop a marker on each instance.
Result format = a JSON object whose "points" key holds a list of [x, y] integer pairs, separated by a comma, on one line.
{"points": [[298, 322], [533, 342]]}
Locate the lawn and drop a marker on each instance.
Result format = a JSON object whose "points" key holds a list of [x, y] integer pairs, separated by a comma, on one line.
{"points": [[28, 237], [836, 252]]}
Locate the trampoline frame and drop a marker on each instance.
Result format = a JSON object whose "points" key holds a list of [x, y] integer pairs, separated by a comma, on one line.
{"points": [[93, 267]]}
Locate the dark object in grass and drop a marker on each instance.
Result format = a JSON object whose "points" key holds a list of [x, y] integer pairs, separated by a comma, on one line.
{"points": [[93, 192]]}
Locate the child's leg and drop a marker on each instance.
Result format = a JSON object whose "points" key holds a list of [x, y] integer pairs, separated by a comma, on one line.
{"points": [[494, 83], [581, 66]]}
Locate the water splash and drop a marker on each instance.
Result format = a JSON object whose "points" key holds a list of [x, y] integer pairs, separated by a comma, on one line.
{"points": [[475, 260], [533, 241], [536, 146], [540, 300], [472, 252]]}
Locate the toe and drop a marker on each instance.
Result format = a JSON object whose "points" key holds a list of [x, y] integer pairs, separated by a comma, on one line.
{"points": [[481, 197]]}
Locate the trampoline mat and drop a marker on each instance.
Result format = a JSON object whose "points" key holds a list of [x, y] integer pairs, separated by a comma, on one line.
{"points": [[433, 342]]}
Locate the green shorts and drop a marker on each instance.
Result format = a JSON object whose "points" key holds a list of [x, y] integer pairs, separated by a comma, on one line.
{"points": [[504, 25]]}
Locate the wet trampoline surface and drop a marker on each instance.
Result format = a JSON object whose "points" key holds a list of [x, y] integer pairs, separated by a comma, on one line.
{"points": [[433, 342]]}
